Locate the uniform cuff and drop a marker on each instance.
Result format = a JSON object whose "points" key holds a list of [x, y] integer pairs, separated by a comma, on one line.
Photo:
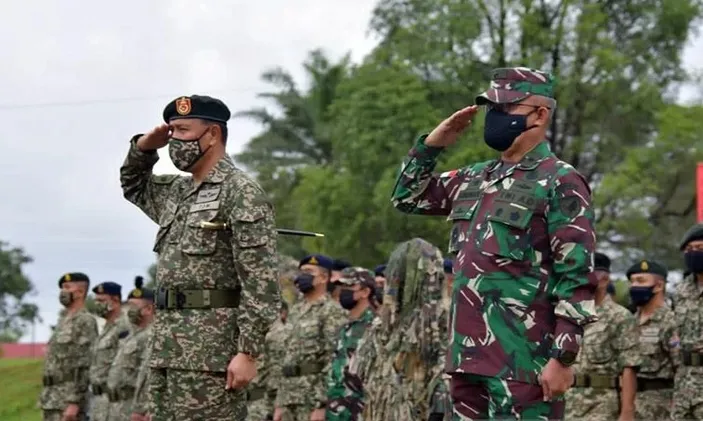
{"points": [[251, 347], [424, 153], [148, 156], [567, 336]]}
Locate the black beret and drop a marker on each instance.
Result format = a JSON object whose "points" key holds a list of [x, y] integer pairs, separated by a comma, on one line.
{"points": [[647, 266], [379, 270], [197, 106], [109, 288], [340, 265], [74, 277], [694, 233], [139, 292], [601, 262], [317, 260]]}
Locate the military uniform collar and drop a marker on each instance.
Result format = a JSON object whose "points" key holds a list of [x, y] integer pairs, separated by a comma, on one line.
{"points": [[218, 173], [657, 314], [532, 158]]}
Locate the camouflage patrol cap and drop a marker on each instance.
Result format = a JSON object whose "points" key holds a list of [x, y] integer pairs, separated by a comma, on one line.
{"points": [[358, 276], [513, 84]]}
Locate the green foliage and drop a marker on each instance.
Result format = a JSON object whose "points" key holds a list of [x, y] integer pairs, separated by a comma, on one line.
{"points": [[329, 161], [21, 379], [15, 313]]}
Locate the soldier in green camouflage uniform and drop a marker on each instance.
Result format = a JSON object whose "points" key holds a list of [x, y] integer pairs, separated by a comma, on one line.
{"points": [[261, 392], [216, 271], [396, 358], [609, 349], [108, 305], [688, 383], [67, 362], [659, 340], [123, 375], [357, 292], [310, 340]]}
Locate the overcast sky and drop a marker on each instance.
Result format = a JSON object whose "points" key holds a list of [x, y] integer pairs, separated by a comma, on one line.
{"points": [[79, 78]]}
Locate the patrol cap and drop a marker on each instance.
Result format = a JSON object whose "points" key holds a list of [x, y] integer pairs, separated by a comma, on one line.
{"points": [[108, 288], [693, 234], [379, 270], [140, 292], [340, 265], [357, 276], [601, 262], [647, 266], [197, 106], [74, 277], [513, 84], [448, 266], [317, 260]]}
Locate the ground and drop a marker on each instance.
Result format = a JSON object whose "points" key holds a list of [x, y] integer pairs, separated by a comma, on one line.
{"points": [[21, 384]]}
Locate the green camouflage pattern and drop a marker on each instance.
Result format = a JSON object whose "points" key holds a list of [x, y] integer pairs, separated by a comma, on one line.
{"points": [[124, 372], [513, 84], [609, 345], [659, 348], [688, 310], [68, 360], [310, 341], [103, 353], [524, 240], [358, 276], [269, 373], [343, 404], [396, 358], [241, 257]]}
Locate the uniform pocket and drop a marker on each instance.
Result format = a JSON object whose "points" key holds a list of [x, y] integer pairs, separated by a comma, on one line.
{"points": [[252, 229], [508, 234], [598, 349], [461, 215], [197, 240]]}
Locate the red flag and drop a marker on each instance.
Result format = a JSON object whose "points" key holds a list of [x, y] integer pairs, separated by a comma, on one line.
{"points": [[699, 191]]}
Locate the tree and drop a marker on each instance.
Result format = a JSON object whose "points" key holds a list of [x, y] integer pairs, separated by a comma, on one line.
{"points": [[151, 276], [15, 287]]}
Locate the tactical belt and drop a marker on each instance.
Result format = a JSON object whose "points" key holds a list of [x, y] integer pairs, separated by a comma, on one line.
{"points": [[120, 395], [176, 299], [58, 379], [256, 393], [98, 389], [692, 359], [301, 370], [654, 384], [596, 381]]}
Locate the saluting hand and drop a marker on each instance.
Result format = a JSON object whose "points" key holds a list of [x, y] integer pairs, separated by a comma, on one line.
{"points": [[240, 371], [157, 138], [450, 129]]}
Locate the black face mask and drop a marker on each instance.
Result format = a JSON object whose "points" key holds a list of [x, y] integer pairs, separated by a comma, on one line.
{"points": [[694, 261], [640, 296], [501, 129], [346, 299], [304, 282], [331, 287]]}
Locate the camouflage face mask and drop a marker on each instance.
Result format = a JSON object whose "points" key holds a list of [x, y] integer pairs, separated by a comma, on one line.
{"points": [[185, 153]]}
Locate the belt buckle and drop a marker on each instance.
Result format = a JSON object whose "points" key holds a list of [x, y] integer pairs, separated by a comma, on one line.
{"points": [[162, 298]]}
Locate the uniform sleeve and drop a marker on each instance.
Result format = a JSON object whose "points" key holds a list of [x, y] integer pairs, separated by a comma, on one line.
{"points": [[86, 333], [334, 320], [254, 246], [140, 186], [141, 397], [670, 341], [570, 224], [270, 380], [417, 190], [626, 341]]}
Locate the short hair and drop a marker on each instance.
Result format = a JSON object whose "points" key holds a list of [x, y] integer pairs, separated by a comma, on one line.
{"points": [[223, 128]]}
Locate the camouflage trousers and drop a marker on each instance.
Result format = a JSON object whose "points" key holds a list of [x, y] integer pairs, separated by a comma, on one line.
{"points": [[52, 415], [589, 404], [477, 397], [259, 410], [297, 413], [120, 411], [99, 407], [185, 395], [653, 405]]}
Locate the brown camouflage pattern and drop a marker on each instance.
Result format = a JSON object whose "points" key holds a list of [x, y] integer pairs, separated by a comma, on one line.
{"points": [[510, 85]]}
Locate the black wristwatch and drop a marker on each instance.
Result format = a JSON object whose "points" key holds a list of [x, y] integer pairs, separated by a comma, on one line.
{"points": [[566, 358]]}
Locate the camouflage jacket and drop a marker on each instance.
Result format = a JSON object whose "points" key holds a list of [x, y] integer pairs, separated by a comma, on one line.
{"points": [[268, 365], [141, 393], [105, 349], [67, 362], [241, 256], [659, 344], [310, 341], [689, 314], [130, 357], [524, 241], [339, 398]]}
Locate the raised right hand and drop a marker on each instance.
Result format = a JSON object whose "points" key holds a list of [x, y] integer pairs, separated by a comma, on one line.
{"points": [[450, 129], [157, 138]]}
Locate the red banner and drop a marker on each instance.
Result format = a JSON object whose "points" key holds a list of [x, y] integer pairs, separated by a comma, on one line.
{"points": [[699, 191]]}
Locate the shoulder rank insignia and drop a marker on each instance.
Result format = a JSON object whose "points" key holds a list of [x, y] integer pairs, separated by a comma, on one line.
{"points": [[183, 106], [644, 265], [123, 334]]}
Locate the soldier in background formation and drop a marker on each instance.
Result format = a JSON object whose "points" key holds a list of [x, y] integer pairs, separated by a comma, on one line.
{"points": [[123, 375], [67, 363], [108, 305], [609, 351], [658, 340], [380, 278], [338, 265]]}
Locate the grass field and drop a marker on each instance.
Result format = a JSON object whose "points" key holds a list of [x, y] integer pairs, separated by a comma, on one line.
{"points": [[20, 381]]}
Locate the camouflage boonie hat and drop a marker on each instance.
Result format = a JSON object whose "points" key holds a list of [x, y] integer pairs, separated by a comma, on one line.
{"points": [[358, 275], [513, 84]]}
